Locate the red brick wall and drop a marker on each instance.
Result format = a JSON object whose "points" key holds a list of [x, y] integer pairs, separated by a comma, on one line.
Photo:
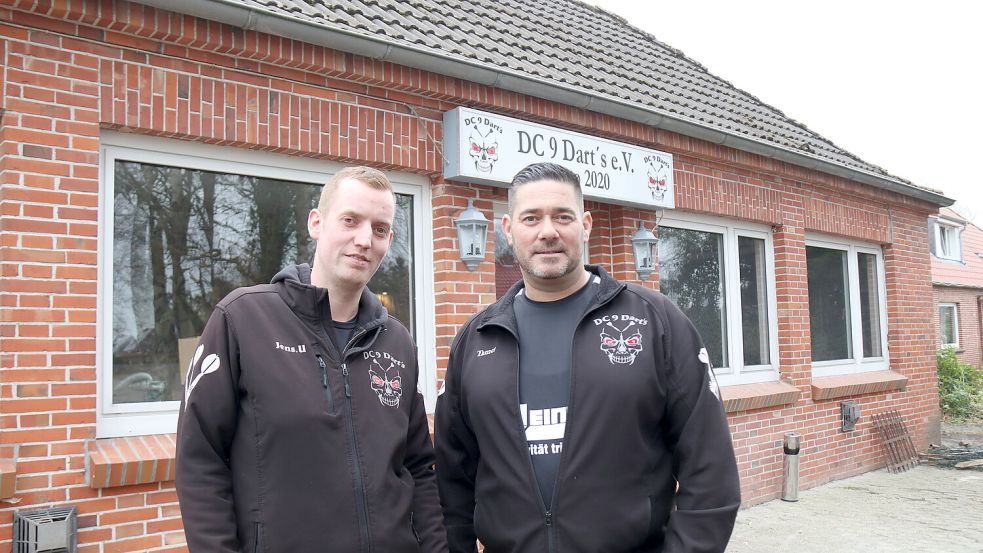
{"points": [[73, 69], [968, 304]]}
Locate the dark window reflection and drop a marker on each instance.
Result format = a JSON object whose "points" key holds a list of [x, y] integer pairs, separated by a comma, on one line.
{"points": [[183, 239], [829, 304], [691, 274], [393, 283]]}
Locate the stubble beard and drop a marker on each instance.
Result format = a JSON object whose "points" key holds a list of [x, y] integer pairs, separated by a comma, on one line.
{"points": [[549, 272]]}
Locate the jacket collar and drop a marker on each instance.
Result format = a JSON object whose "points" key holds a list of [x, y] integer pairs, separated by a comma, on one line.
{"points": [[501, 313], [293, 283]]}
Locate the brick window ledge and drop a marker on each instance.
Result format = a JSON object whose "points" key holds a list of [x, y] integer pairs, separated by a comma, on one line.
{"points": [[128, 461], [747, 397], [874, 382], [8, 478]]}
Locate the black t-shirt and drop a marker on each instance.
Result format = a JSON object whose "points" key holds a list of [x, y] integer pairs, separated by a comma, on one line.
{"points": [[342, 332], [546, 332]]}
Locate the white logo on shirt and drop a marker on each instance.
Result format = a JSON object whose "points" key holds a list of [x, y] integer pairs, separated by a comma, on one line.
{"points": [[543, 424]]}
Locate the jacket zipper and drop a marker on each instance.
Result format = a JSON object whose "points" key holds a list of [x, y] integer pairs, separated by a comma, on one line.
{"points": [[324, 382], [360, 500], [548, 513]]}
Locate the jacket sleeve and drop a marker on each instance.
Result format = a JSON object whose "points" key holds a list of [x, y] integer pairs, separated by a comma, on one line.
{"points": [[427, 520], [206, 425], [709, 493], [457, 462]]}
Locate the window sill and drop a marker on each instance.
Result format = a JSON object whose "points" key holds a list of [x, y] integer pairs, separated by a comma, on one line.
{"points": [[129, 461], [748, 397], [8, 478], [874, 382]]}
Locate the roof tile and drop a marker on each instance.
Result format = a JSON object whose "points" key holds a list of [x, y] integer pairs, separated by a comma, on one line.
{"points": [[577, 45]]}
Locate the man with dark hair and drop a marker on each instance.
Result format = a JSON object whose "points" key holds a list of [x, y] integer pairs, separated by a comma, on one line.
{"points": [[624, 445], [302, 428]]}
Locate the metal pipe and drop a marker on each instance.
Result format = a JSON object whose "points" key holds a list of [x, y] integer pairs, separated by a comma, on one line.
{"points": [[790, 484]]}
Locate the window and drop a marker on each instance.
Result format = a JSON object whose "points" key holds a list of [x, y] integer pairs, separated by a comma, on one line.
{"points": [[183, 227], [947, 239], [846, 307], [507, 270], [720, 275], [949, 324]]}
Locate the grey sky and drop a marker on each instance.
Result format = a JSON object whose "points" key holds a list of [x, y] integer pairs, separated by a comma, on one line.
{"points": [[899, 84]]}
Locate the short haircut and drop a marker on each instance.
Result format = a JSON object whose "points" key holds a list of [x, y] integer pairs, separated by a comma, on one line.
{"points": [[536, 172], [373, 178]]}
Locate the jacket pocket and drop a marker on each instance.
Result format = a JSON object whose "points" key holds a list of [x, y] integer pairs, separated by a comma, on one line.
{"points": [[258, 538], [325, 382]]}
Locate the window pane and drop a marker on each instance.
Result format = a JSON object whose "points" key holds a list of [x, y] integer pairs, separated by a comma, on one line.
{"points": [[393, 283], [183, 239], [947, 324], [829, 304], [754, 300], [870, 311], [507, 270], [944, 242], [692, 276]]}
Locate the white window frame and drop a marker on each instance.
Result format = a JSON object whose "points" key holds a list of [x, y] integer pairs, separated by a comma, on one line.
{"points": [[161, 417], [736, 372], [955, 324], [954, 230], [858, 363]]}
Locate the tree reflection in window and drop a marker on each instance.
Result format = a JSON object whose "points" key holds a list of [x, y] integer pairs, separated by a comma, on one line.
{"points": [[691, 274], [185, 238]]}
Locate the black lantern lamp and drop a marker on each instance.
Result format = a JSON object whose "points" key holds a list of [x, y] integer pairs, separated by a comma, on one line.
{"points": [[645, 245], [472, 231]]}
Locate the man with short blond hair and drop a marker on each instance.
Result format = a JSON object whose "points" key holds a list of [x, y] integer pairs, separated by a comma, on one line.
{"points": [[302, 428]]}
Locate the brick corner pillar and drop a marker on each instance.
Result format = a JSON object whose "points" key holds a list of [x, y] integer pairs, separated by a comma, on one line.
{"points": [[792, 293], [911, 339]]}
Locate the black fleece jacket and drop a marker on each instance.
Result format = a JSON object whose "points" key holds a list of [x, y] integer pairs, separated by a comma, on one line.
{"points": [[286, 444], [643, 415]]}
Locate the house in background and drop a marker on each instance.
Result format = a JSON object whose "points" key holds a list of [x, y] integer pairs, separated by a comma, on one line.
{"points": [[957, 284], [157, 154]]}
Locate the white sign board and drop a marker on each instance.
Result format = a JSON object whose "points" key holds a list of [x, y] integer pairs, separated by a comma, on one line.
{"points": [[490, 149]]}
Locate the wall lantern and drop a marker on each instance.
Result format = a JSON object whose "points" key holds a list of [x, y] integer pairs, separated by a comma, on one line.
{"points": [[472, 231], [645, 245]]}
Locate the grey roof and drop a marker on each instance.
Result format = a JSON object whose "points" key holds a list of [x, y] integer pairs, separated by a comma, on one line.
{"points": [[569, 51]]}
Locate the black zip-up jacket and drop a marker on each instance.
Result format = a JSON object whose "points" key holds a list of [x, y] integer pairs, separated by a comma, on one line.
{"points": [[643, 415], [287, 445]]}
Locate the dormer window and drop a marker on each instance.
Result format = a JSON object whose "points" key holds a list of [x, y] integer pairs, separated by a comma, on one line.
{"points": [[947, 239]]}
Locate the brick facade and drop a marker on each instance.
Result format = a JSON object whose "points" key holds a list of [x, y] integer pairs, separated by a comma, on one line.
{"points": [[72, 69], [969, 309]]}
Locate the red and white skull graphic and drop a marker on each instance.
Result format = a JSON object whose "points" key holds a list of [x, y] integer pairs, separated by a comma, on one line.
{"points": [[483, 149], [621, 350], [388, 387]]}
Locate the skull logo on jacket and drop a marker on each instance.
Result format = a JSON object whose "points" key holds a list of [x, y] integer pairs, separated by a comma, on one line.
{"points": [[388, 387], [621, 349]]}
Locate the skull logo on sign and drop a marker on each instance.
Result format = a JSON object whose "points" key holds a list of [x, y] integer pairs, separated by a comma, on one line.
{"points": [[658, 177], [483, 150], [388, 387], [621, 350]]}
